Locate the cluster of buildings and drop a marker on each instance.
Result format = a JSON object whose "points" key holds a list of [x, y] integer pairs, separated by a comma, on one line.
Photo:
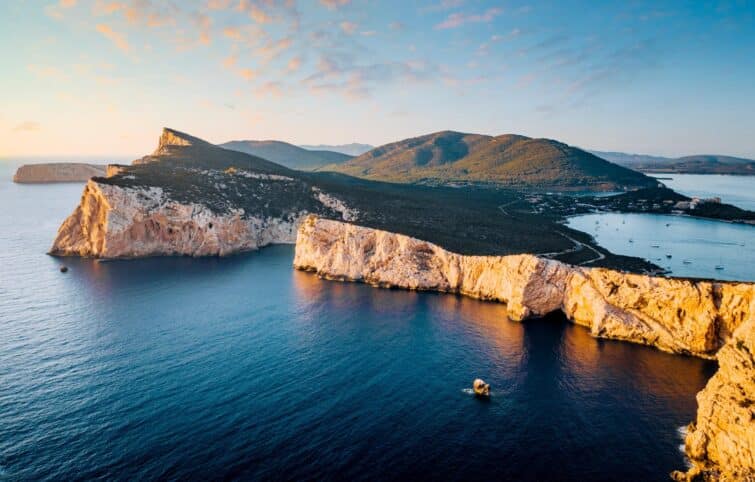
{"points": [[695, 202]]}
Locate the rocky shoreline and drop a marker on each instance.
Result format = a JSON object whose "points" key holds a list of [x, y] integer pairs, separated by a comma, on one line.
{"points": [[699, 318], [117, 222], [193, 199]]}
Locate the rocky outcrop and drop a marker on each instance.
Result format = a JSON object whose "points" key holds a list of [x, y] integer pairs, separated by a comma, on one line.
{"points": [[721, 442], [701, 318], [57, 172], [115, 222], [674, 315]]}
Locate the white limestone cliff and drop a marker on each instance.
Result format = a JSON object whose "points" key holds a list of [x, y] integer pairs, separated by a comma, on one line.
{"points": [[701, 318], [674, 315], [118, 222], [721, 442]]}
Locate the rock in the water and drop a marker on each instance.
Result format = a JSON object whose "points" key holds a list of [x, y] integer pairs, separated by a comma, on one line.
{"points": [[481, 389]]}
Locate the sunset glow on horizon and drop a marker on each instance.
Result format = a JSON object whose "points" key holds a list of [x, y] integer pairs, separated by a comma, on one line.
{"points": [[101, 77]]}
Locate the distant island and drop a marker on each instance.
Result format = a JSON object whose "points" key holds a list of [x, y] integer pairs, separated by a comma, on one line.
{"points": [[287, 154], [697, 164], [509, 160], [57, 172]]}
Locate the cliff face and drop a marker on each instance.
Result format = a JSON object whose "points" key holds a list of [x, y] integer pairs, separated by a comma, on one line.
{"points": [[57, 172], [681, 316], [113, 221], [674, 315], [721, 442]]}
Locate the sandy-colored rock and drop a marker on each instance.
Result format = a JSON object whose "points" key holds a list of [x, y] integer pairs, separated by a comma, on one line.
{"points": [[675, 315], [480, 388], [721, 442], [117, 222], [700, 318], [57, 172]]}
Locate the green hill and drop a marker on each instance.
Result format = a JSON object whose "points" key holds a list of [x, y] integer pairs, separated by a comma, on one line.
{"points": [[449, 157], [287, 154]]}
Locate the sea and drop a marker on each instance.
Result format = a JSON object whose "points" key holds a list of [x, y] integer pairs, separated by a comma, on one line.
{"points": [[242, 368], [683, 245], [736, 190]]}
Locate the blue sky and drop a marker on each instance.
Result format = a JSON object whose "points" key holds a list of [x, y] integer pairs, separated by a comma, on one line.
{"points": [[101, 77]]}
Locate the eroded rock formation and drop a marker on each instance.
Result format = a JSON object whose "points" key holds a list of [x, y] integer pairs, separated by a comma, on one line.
{"points": [[675, 315], [700, 318], [114, 222], [57, 172], [721, 442]]}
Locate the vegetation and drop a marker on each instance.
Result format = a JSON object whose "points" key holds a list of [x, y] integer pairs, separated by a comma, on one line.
{"points": [[467, 220], [287, 154], [454, 158]]}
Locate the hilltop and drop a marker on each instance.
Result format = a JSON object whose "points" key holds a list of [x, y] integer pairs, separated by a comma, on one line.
{"points": [[197, 175], [509, 160], [287, 154], [696, 164]]}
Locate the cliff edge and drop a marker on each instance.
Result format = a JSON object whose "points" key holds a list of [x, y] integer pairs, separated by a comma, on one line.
{"points": [[701, 318], [674, 315]]}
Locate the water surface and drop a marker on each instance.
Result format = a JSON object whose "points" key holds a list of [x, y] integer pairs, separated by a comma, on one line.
{"points": [[696, 246], [244, 368], [736, 190]]}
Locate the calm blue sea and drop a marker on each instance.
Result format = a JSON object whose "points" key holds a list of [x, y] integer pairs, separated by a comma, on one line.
{"points": [[684, 246], [242, 368], [736, 190]]}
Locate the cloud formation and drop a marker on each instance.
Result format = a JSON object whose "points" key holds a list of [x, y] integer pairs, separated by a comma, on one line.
{"points": [[118, 39], [27, 126], [456, 20], [333, 4]]}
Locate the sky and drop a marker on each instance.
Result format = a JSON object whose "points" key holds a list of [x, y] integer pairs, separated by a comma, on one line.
{"points": [[100, 78]]}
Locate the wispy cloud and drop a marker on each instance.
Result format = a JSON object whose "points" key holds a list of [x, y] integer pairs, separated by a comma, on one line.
{"points": [[273, 49], [294, 64], [333, 4], [458, 19], [348, 27], [47, 72], [118, 39], [27, 126], [270, 89], [443, 5]]}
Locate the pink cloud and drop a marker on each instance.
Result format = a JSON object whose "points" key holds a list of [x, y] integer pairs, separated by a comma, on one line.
{"points": [[118, 39], [333, 4]]}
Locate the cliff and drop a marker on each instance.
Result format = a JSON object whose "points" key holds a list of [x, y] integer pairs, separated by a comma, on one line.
{"points": [[701, 318], [721, 442], [113, 221], [57, 172], [674, 315]]}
